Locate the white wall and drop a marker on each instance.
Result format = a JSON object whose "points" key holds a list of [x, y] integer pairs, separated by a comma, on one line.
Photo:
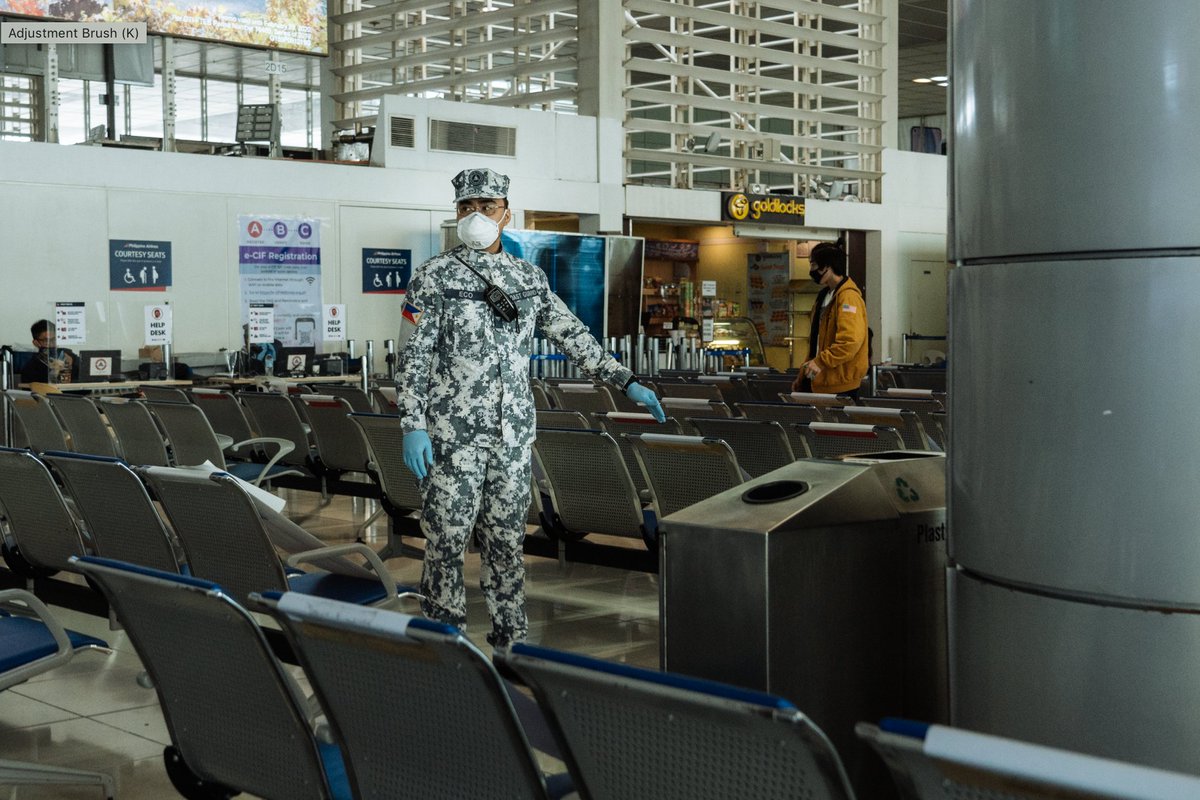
{"points": [[912, 228], [60, 205], [569, 163]]}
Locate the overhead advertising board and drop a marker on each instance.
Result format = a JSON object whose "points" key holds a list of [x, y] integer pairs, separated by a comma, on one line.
{"points": [[298, 25]]}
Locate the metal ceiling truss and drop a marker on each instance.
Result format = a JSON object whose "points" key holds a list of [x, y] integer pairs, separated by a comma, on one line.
{"points": [[786, 93], [519, 53]]}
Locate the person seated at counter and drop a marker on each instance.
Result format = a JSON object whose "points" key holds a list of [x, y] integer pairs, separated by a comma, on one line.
{"points": [[50, 364]]}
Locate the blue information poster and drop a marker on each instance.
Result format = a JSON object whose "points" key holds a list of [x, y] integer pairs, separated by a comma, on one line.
{"points": [[385, 271], [138, 266], [574, 265]]}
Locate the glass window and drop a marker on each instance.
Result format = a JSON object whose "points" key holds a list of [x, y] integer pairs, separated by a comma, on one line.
{"points": [[145, 112], [222, 110], [294, 130], [78, 110], [205, 107]]}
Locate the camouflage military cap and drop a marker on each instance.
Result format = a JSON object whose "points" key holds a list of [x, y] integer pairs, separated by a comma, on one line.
{"points": [[482, 182]]}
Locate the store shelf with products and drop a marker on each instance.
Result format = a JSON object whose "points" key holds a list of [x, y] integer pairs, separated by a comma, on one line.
{"points": [[669, 293], [671, 297]]}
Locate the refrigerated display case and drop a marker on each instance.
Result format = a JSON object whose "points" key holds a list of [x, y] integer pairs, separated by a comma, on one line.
{"points": [[737, 333]]}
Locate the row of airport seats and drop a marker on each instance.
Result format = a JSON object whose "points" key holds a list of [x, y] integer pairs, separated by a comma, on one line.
{"points": [[304, 438], [919, 414], [59, 506], [911, 376], [712, 466], [319, 438], [404, 707], [580, 488], [617, 473]]}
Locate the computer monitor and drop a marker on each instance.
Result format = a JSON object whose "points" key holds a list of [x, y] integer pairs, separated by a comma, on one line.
{"points": [[99, 365], [294, 360]]}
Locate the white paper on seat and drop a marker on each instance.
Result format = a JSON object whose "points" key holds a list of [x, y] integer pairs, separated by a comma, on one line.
{"points": [[1060, 767], [283, 533], [843, 427], [632, 416], [260, 496], [918, 394], [348, 615]]}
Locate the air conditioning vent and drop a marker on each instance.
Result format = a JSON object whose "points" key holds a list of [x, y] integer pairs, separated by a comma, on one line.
{"points": [[402, 132], [468, 137]]}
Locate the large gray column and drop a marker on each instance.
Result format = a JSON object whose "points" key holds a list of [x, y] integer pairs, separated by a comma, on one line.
{"points": [[1075, 319]]}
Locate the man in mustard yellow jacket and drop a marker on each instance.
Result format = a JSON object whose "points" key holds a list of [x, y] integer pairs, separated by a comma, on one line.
{"points": [[837, 351]]}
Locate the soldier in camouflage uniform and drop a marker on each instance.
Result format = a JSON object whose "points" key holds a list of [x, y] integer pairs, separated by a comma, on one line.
{"points": [[466, 408]]}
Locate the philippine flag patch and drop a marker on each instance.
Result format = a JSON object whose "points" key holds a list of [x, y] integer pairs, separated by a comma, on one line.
{"points": [[849, 309], [412, 313]]}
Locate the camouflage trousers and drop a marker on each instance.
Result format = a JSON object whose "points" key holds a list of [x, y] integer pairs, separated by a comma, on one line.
{"points": [[485, 491]]}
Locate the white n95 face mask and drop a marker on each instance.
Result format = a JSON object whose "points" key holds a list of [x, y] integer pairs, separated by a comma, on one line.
{"points": [[477, 231]]}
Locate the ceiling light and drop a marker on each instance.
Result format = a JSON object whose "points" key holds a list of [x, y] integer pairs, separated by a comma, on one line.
{"points": [[922, 80], [940, 78], [944, 84]]}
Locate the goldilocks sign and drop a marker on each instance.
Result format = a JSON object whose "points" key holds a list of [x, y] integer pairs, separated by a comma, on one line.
{"points": [[776, 209]]}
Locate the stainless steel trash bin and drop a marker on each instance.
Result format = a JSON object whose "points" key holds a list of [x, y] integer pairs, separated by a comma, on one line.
{"points": [[822, 582]]}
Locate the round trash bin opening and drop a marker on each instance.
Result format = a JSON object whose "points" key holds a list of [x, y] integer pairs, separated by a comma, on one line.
{"points": [[774, 491]]}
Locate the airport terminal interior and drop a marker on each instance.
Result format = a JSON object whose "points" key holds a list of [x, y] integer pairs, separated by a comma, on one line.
{"points": [[783, 315]]}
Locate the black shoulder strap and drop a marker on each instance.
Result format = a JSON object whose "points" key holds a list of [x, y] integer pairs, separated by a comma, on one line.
{"points": [[478, 274]]}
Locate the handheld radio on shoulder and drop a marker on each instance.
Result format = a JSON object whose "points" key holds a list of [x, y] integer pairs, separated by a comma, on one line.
{"points": [[496, 298], [500, 303]]}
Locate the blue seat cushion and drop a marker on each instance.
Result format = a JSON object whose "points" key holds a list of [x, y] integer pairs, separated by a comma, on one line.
{"points": [[727, 691], [335, 771], [904, 727], [559, 785], [24, 640], [248, 471], [361, 591]]}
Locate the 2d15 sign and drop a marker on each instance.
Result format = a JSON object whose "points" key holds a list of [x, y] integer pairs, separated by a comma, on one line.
{"points": [[386, 271], [138, 266], [772, 209]]}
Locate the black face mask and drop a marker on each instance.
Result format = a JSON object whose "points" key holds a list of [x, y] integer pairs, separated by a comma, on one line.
{"points": [[816, 274]]}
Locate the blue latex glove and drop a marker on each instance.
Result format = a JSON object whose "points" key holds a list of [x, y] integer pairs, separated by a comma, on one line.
{"points": [[644, 397], [418, 453]]}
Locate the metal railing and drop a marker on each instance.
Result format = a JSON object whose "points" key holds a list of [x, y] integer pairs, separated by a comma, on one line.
{"points": [[645, 355]]}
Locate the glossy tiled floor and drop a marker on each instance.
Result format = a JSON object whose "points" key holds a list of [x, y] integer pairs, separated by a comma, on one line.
{"points": [[91, 713]]}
